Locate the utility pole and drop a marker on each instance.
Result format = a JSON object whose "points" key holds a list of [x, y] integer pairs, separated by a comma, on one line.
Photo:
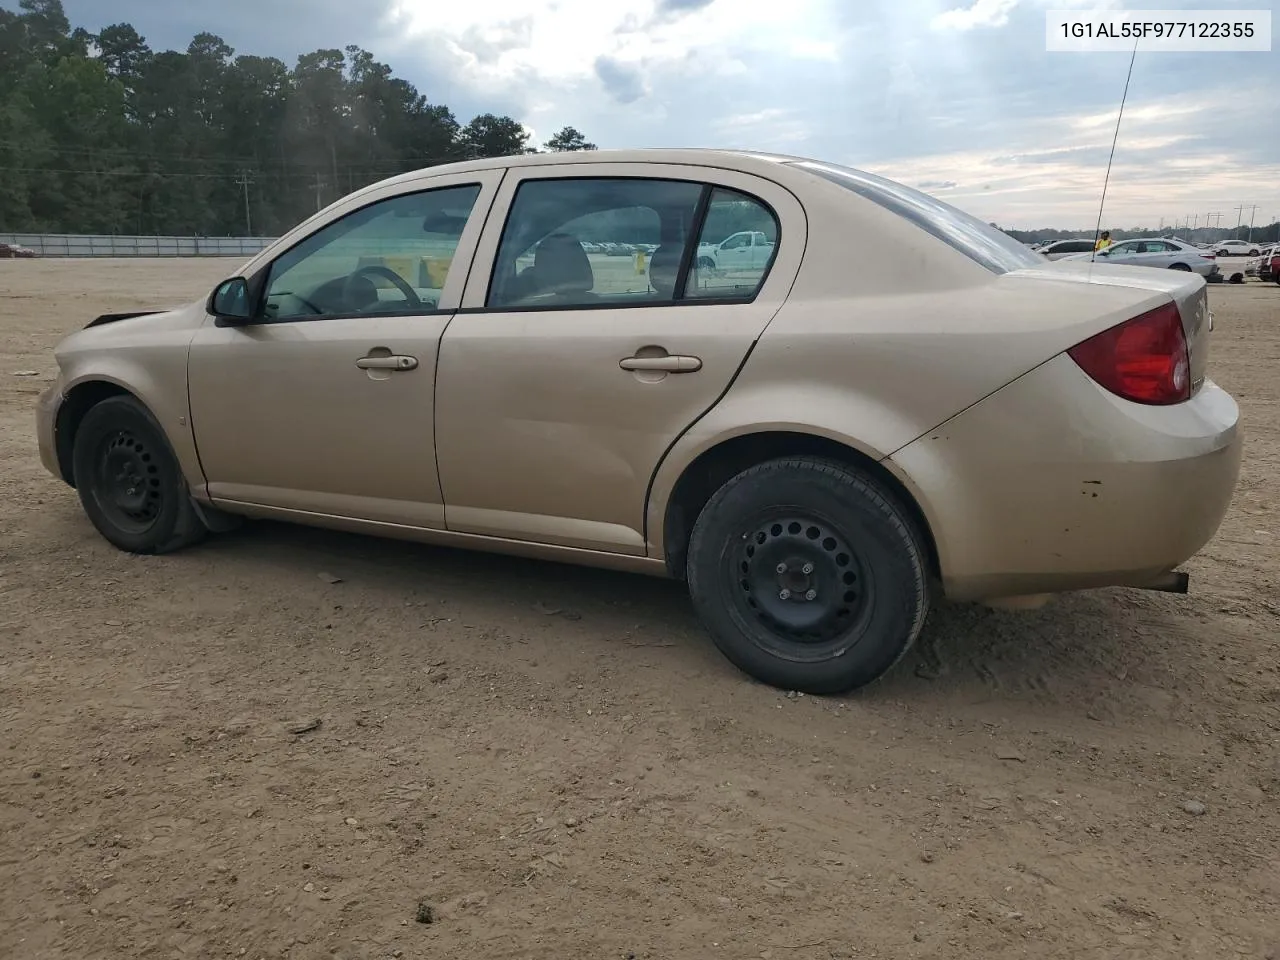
{"points": [[319, 183], [244, 180], [1253, 212], [1239, 220]]}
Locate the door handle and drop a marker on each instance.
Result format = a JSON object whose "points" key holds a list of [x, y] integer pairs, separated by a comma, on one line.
{"points": [[393, 362], [668, 364]]}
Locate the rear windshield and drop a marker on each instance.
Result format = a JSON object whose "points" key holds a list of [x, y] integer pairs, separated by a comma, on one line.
{"points": [[981, 242]]}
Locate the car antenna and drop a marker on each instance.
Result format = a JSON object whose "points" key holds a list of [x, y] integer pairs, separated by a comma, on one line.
{"points": [[1097, 230]]}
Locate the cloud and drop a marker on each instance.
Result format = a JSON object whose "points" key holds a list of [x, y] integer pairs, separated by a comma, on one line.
{"points": [[668, 10], [981, 13], [624, 81], [488, 43]]}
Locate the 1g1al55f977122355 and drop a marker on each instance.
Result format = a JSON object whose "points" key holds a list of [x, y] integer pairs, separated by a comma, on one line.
{"points": [[1168, 31]]}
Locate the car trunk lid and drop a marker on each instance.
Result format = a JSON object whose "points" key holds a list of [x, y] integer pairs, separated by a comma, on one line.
{"points": [[1188, 290]]}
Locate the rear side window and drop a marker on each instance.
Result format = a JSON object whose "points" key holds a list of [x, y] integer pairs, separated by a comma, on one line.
{"points": [[980, 242], [735, 248]]}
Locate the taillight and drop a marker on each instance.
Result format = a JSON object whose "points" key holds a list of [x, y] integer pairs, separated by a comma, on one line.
{"points": [[1209, 256], [1144, 359]]}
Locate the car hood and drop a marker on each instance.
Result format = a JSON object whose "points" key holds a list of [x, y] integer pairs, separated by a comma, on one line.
{"points": [[150, 319], [132, 330]]}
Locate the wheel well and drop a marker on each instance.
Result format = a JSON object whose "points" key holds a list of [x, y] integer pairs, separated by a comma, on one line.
{"points": [[77, 403], [710, 471]]}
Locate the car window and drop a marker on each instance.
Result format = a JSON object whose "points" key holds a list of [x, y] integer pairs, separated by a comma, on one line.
{"points": [[391, 257], [733, 221], [1079, 246], [545, 259]]}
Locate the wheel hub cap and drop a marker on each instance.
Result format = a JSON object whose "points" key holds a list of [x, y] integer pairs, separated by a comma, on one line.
{"points": [[130, 481], [800, 578]]}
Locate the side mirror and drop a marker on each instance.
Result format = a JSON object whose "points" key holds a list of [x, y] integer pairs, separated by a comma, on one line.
{"points": [[229, 302]]}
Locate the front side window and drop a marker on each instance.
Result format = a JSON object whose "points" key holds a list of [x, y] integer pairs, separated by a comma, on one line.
{"points": [[736, 247], [389, 258], [593, 242]]}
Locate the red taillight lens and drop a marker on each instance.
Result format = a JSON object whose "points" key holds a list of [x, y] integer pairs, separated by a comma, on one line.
{"points": [[1209, 256], [1144, 359]]}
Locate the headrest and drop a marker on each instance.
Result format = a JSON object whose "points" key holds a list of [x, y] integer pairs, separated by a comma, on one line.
{"points": [[664, 267], [561, 266]]}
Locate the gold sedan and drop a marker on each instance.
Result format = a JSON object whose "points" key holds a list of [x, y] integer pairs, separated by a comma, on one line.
{"points": [[819, 397]]}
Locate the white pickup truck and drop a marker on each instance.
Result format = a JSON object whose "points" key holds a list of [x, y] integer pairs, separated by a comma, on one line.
{"points": [[744, 250]]}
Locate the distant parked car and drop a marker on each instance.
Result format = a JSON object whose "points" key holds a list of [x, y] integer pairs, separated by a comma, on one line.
{"points": [[1266, 266], [744, 250], [15, 251], [1157, 252], [1060, 249], [1236, 248]]}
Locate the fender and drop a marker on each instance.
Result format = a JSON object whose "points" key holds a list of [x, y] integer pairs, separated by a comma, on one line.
{"points": [[157, 390]]}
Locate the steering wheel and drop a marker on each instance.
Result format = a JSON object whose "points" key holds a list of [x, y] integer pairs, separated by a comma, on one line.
{"points": [[397, 281]]}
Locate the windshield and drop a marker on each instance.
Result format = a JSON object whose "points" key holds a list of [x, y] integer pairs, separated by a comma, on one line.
{"points": [[994, 249]]}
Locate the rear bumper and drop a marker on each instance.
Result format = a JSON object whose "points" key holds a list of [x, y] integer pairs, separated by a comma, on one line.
{"points": [[1053, 484], [46, 429]]}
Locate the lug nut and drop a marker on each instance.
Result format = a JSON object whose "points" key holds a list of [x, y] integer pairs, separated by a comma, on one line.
{"points": [[811, 595], [781, 568], [807, 569], [784, 594]]}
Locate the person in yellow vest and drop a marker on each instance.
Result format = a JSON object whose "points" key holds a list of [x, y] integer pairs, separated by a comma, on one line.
{"points": [[1103, 241]]}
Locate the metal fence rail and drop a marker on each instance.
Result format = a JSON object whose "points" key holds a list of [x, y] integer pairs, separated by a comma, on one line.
{"points": [[89, 245]]}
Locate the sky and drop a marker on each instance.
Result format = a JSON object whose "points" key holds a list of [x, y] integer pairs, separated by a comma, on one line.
{"points": [[958, 97]]}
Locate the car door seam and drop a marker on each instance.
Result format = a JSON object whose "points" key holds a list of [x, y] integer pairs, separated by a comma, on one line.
{"points": [[435, 371], [795, 276]]}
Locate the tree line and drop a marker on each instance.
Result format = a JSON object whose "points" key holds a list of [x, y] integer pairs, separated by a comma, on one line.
{"points": [[99, 133]]}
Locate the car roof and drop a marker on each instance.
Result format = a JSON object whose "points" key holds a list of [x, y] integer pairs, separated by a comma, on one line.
{"points": [[699, 156]]}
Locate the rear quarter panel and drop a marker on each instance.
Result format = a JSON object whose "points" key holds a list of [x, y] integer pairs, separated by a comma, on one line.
{"points": [[875, 370]]}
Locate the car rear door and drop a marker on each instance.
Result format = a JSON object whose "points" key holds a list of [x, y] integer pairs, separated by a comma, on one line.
{"points": [[567, 375]]}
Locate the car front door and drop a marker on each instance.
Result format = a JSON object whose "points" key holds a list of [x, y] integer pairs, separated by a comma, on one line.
{"points": [[735, 252], [323, 402], [1127, 252], [566, 376]]}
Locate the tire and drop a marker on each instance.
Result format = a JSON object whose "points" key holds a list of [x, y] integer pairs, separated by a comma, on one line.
{"points": [[1179, 266], [129, 481], [818, 526], [706, 263]]}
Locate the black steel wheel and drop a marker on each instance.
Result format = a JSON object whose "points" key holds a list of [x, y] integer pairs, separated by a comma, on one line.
{"points": [[808, 575], [129, 481]]}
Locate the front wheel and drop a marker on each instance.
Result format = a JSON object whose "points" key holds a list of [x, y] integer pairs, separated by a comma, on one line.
{"points": [[808, 575], [129, 480]]}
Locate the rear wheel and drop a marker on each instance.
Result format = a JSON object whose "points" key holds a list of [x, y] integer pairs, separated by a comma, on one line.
{"points": [[1180, 266], [129, 481], [808, 575]]}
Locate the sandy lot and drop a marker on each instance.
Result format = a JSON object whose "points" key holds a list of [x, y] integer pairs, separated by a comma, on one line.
{"points": [[561, 765]]}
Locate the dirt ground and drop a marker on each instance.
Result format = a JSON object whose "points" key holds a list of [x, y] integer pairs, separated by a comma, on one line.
{"points": [[559, 764]]}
